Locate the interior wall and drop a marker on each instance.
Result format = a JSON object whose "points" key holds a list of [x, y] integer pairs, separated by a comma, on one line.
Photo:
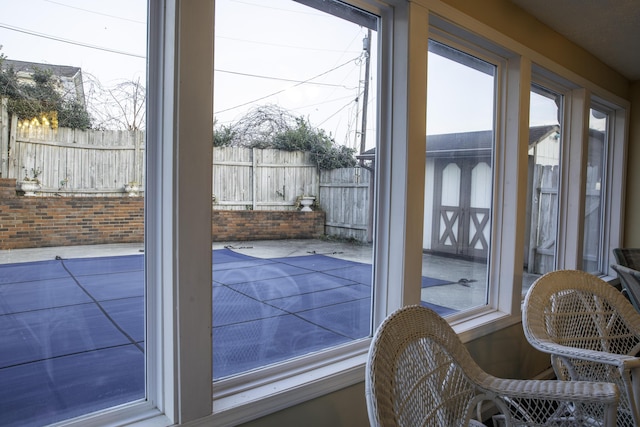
{"points": [[511, 20], [632, 197], [346, 407]]}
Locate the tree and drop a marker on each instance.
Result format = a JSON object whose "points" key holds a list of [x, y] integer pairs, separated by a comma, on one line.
{"points": [[271, 126], [42, 100], [119, 107], [8, 80]]}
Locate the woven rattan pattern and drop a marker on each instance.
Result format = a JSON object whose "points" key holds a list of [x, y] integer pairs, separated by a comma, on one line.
{"points": [[590, 330], [420, 374]]}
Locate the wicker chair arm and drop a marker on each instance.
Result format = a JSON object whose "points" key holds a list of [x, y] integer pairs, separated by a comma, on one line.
{"points": [[575, 391], [618, 360]]}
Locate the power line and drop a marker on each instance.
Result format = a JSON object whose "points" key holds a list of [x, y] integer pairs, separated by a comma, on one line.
{"points": [[327, 101], [282, 79], [339, 110], [97, 13], [303, 107], [279, 8], [285, 89], [281, 45], [58, 39]]}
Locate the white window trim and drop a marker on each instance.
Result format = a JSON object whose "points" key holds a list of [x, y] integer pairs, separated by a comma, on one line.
{"points": [[178, 260]]}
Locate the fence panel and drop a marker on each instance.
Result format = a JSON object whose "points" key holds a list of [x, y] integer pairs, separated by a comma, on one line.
{"points": [[77, 163], [344, 196], [256, 179], [232, 178], [283, 176], [544, 221]]}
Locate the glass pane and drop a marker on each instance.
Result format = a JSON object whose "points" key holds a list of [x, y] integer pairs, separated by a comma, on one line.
{"points": [[294, 155], [459, 180], [542, 192], [593, 214], [72, 146]]}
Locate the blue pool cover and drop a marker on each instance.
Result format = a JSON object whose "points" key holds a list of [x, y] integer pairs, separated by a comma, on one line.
{"points": [[72, 330]]}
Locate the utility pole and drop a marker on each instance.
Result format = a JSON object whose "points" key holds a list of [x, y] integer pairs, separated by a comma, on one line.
{"points": [[366, 46]]}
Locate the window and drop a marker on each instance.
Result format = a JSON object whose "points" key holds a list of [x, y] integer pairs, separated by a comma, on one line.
{"points": [[72, 294], [459, 179], [545, 148], [594, 182], [295, 114]]}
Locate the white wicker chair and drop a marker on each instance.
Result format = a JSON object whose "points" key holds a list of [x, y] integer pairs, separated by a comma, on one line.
{"points": [[590, 330], [420, 374]]}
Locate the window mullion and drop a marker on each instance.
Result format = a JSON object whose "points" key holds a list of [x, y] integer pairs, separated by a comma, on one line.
{"points": [[614, 200], [192, 226], [179, 237], [158, 339], [401, 168], [571, 197], [510, 202]]}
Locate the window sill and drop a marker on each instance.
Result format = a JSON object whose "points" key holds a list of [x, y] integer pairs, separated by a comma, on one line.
{"points": [[315, 376], [485, 323], [139, 414]]}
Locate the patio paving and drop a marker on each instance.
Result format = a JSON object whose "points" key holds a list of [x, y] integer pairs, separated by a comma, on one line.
{"points": [[72, 329]]}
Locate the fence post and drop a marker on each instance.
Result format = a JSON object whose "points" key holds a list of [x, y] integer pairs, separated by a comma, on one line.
{"points": [[4, 138], [254, 178], [12, 150], [137, 156]]}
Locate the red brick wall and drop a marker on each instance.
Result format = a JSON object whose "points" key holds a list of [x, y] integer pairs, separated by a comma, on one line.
{"points": [[31, 222], [266, 225]]}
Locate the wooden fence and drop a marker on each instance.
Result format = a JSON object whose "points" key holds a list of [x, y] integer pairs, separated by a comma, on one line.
{"points": [[245, 178], [101, 163], [544, 219], [256, 179], [71, 162], [345, 196]]}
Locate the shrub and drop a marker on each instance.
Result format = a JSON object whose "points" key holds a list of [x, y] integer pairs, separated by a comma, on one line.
{"points": [[41, 99], [273, 127]]}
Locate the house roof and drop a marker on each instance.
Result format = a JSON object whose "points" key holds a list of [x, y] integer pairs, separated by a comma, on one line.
{"points": [[29, 67], [69, 77], [469, 143]]}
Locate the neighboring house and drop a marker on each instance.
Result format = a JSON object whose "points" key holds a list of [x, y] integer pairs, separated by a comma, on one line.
{"points": [[68, 78]]}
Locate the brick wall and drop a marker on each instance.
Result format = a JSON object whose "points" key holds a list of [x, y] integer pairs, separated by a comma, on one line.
{"points": [[31, 222], [266, 225]]}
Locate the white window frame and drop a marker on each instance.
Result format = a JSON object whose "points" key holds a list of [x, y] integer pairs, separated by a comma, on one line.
{"points": [[503, 306], [579, 95], [615, 153], [178, 261]]}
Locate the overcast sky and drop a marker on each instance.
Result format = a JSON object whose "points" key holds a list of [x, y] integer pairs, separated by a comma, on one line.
{"points": [[280, 52], [105, 38], [267, 52]]}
